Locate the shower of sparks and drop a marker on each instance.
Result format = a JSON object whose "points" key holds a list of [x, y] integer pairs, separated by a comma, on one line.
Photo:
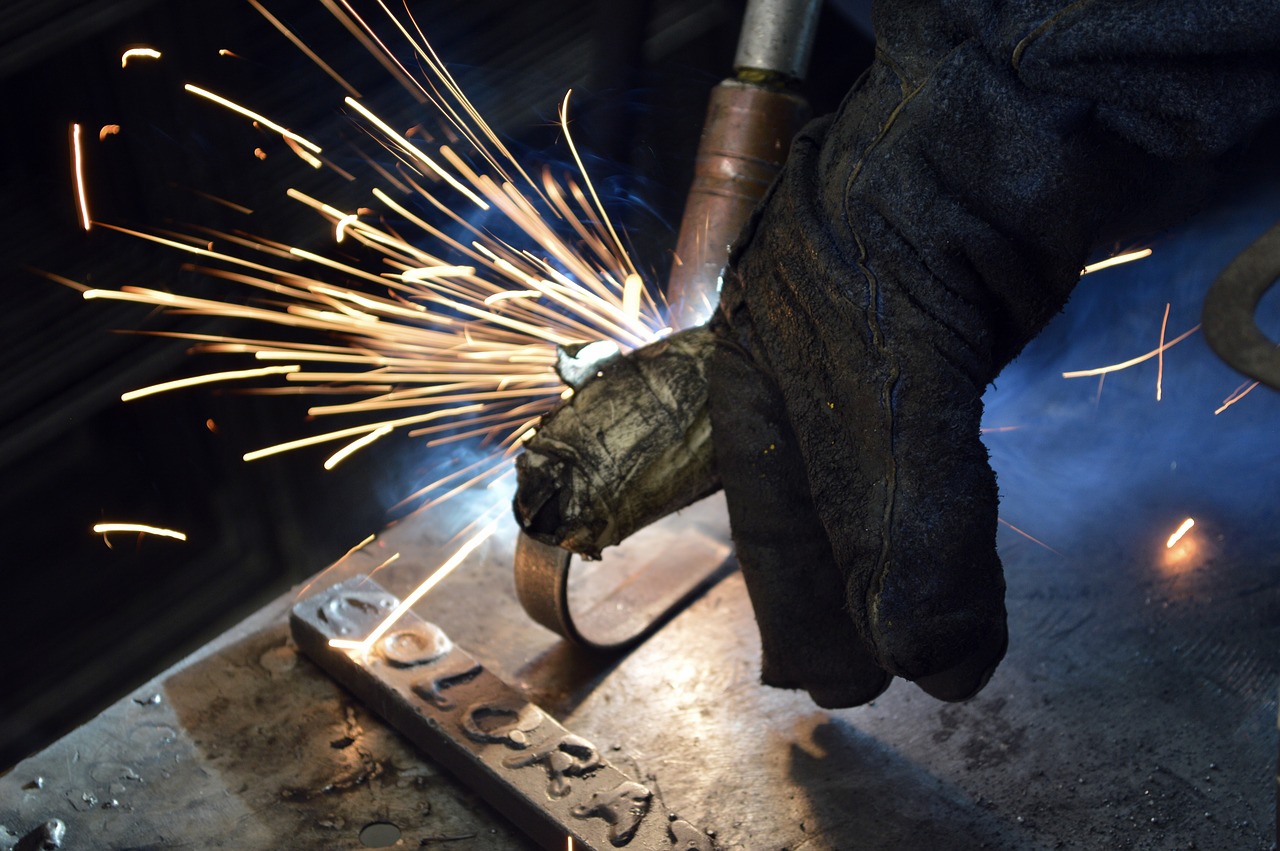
{"points": [[1179, 532], [455, 336], [407, 603], [1236, 395], [77, 169], [138, 53], [106, 528], [1128, 257]]}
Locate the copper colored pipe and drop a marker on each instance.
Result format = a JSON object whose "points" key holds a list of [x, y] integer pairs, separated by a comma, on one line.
{"points": [[745, 140]]}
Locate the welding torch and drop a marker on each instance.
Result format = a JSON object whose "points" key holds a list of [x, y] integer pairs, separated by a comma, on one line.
{"points": [[584, 487]]}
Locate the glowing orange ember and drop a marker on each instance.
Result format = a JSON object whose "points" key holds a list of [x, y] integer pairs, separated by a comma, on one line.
{"points": [[248, 113], [1030, 538], [233, 375], [140, 528], [77, 168], [1179, 532], [1163, 347], [138, 53], [1164, 323], [1128, 257], [1236, 395]]}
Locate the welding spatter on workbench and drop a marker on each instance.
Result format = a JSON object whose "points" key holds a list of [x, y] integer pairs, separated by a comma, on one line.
{"points": [[550, 782]]}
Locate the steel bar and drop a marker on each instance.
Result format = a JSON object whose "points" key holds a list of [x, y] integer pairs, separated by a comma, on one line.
{"points": [[550, 783]]}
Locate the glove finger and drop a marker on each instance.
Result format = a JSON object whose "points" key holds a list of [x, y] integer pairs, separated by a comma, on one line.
{"points": [[796, 591]]}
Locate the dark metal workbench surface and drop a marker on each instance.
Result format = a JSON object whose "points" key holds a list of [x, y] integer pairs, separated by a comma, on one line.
{"points": [[1132, 711]]}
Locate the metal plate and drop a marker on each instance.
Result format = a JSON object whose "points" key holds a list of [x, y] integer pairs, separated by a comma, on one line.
{"points": [[552, 784]]}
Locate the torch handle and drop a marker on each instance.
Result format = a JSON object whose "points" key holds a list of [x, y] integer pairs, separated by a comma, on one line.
{"points": [[747, 134]]}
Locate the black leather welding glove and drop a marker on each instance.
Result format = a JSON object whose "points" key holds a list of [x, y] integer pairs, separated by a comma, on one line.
{"points": [[914, 243]]}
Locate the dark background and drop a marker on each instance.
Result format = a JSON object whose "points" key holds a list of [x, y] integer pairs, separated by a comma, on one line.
{"points": [[85, 622]]}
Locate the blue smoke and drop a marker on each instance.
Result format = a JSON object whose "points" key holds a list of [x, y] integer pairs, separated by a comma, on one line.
{"points": [[1085, 459]]}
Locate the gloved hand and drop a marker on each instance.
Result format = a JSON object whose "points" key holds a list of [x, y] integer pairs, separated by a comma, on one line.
{"points": [[913, 244]]}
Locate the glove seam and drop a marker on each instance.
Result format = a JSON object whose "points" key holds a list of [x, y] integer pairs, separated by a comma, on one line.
{"points": [[1041, 29]]}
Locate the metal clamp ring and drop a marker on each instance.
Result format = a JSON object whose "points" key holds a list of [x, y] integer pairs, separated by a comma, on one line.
{"points": [[627, 614]]}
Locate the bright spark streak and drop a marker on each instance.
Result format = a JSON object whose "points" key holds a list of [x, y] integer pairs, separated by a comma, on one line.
{"points": [[138, 53], [582, 169], [1164, 324], [104, 528], [1181, 530], [338, 457], [305, 156], [354, 430], [1102, 370], [301, 45], [77, 165], [1030, 538], [340, 230], [430, 582], [1236, 395], [1116, 261], [248, 113], [503, 296], [233, 375], [632, 288], [412, 150]]}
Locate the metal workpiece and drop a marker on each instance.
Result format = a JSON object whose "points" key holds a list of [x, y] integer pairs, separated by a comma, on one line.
{"points": [[1228, 316], [49, 836], [745, 140], [550, 783], [777, 36], [627, 613]]}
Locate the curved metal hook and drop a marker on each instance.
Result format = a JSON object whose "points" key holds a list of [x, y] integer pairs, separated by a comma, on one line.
{"points": [[1228, 314], [627, 614]]}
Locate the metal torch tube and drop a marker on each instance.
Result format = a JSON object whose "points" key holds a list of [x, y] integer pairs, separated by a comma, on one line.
{"points": [[745, 139], [777, 36]]}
